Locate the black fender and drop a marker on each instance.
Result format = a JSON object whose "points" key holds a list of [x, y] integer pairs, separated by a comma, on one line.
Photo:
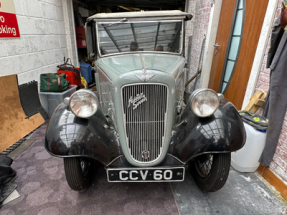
{"points": [[70, 136], [220, 133]]}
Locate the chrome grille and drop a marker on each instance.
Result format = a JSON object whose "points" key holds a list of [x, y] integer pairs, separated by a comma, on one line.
{"points": [[145, 108]]}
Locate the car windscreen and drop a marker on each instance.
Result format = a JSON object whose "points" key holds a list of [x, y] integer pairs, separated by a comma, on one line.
{"points": [[159, 36]]}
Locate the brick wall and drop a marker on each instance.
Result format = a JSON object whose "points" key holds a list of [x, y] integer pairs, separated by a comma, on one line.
{"points": [[200, 9], [279, 163], [43, 42]]}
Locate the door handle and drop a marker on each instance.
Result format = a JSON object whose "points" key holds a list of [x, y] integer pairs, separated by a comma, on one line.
{"points": [[216, 46]]}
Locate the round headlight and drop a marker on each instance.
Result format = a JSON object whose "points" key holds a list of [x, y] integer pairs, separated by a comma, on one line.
{"points": [[84, 103], [204, 102]]}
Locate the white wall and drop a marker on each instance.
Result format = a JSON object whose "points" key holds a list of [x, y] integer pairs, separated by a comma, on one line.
{"points": [[43, 42], [70, 31], [261, 48]]}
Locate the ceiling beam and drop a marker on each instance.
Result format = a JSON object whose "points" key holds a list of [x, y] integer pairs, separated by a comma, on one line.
{"points": [[140, 3]]}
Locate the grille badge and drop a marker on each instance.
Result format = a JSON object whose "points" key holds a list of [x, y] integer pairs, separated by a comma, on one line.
{"points": [[144, 77], [137, 100], [145, 154]]}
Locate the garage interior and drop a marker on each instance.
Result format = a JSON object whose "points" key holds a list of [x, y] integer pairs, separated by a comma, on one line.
{"points": [[48, 193], [85, 8]]}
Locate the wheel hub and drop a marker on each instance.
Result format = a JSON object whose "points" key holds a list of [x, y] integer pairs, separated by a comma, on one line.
{"points": [[203, 164]]}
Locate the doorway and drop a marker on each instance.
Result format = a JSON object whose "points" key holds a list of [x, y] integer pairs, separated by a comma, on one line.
{"points": [[237, 38]]}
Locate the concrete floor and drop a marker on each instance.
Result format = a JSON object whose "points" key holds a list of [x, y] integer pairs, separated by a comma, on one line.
{"points": [[43, 189], [243, 193]]}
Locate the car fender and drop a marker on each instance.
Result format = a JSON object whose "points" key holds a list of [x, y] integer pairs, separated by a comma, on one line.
{"points": [[70, 136], [222, 132]]}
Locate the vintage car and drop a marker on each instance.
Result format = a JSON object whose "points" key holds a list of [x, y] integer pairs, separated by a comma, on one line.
{"points": [[138, 125]]}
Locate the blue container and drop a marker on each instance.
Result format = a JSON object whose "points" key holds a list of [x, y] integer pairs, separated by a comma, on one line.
{"points": [[86, 71]]}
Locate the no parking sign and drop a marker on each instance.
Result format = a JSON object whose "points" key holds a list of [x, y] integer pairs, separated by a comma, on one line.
{"points": [[8, 20]]}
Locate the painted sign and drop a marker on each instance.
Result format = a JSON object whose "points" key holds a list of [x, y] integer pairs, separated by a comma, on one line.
{"points": [[8, 20]]}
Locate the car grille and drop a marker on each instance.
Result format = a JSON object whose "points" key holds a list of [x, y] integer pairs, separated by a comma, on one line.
{"points": [[145, 108]]}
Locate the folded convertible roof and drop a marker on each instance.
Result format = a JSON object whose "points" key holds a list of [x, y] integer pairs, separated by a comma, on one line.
{"points": [[147, 14]]}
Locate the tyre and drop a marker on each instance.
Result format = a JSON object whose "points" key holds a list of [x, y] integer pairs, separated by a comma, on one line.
{"points": [[78, 171], [210, 171]]}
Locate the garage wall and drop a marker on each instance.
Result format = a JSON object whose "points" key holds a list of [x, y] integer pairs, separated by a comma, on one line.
{"points": [[68, 13], [279, 162], [199, 26], [200, 9], [43, 42]]}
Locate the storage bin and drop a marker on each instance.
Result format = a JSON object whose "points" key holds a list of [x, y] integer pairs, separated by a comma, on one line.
{"points": [[50, 100], [246, 158], [86, 71]]}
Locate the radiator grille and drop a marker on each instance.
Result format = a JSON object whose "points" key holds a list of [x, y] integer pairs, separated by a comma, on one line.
{"points": [[145, 108]]}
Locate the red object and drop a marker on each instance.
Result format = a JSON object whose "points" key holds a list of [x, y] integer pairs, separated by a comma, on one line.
{"points": [[73, 76], [8, 25], [81, 37]]}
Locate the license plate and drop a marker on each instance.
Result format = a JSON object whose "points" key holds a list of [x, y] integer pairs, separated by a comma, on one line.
{"points": [[145, 174]]}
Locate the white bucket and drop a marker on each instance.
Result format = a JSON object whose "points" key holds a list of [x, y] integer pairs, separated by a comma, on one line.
{"points": [[246, 159]]}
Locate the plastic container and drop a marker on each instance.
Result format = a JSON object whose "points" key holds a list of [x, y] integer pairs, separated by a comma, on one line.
{"points": [[50, 100], [246, 159], [86, 71]]}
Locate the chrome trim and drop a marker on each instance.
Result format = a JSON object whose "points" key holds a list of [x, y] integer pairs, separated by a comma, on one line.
{"points": [[220, 96], [175, 158], [165, 122], [199, 91], [139, 98], [142, 52], [113, 160], [144, 77], [139, 52], [146, 168], [142, 63], [87, 91], [67, 100]]}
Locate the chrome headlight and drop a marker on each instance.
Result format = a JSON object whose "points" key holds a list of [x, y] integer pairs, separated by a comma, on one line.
{"points": [[204, 102], [84, 103]]}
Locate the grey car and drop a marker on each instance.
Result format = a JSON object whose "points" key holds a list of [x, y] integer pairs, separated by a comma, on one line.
{"points": [[138, 126]]}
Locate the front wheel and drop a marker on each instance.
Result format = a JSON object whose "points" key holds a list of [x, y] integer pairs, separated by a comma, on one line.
{"points": [[78, 171], [210, 171]]}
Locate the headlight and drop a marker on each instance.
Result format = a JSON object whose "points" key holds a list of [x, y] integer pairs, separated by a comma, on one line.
{"points": [[204, 102], [84, 103]]}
